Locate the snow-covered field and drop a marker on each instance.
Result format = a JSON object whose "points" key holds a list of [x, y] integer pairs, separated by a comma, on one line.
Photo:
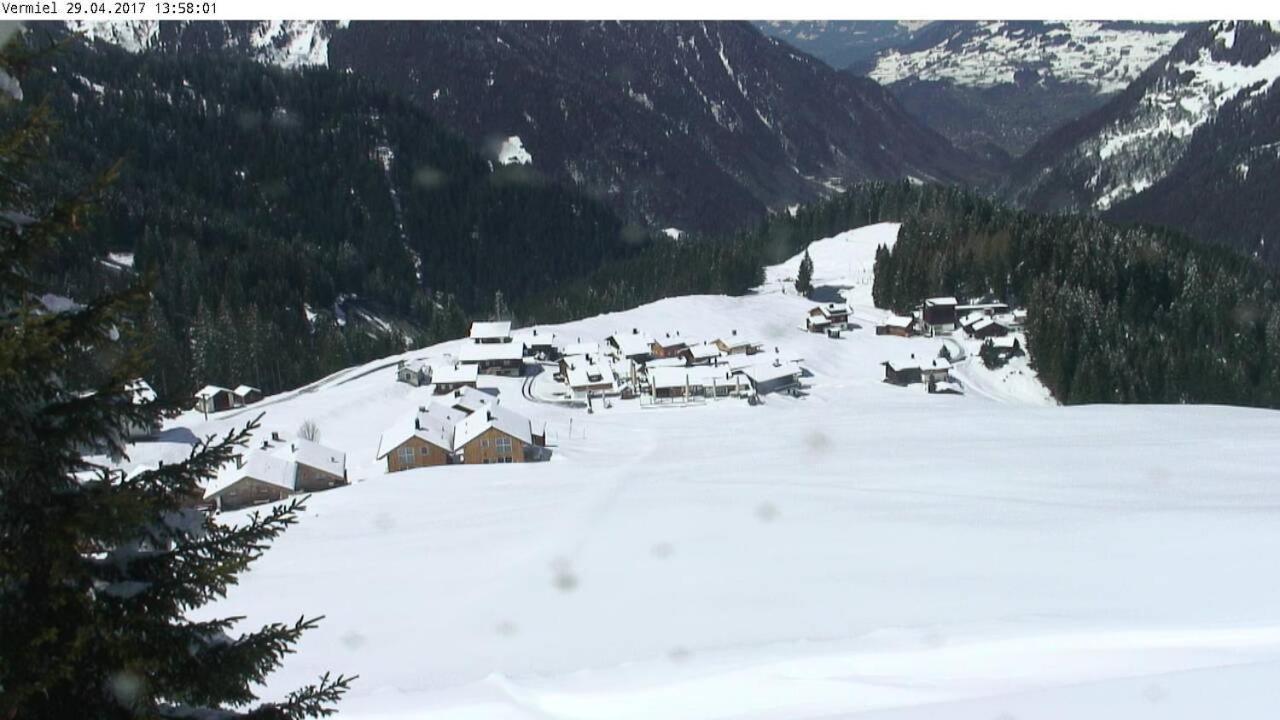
{"points": [[865, 551]]}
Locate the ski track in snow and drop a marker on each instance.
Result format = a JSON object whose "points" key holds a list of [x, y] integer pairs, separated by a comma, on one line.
{"points": [[866, 551]]}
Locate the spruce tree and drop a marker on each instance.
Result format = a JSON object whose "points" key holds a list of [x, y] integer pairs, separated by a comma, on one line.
{"points": [[804, 280], [98, 570]]}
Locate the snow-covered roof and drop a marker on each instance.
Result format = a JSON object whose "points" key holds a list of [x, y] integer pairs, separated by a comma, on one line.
{"points": [[242, 390], [940, 301], [903, 365], [450, 374], [581, 348], [831, 309], [664, 362], [500, 418], [629, 344], [670, 341], [698, 376], [209, 391], [320, 457], [937, 364], [900, 321], [490, 330], [1005, 342], [470, 400], [703, 351], [433, 427], [586, 370], [981, 324], [736, 341], [767, 372], [480, 352], [258, 465]]}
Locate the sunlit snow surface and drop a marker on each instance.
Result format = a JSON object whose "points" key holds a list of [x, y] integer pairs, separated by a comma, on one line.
{"points": [[866, 551]]}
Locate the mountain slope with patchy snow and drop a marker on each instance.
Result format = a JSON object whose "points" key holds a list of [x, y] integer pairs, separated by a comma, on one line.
{"points": [[1139, 138], [864, 550]]}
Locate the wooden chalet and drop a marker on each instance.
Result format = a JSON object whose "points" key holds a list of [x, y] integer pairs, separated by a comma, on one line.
{"points": [[829, 315], [667, 346], [939, 315], [212, 398], [632, 346], [258, 477], [494, 358], [735, 344], [899, 325], [451, 378], [245, 395]]}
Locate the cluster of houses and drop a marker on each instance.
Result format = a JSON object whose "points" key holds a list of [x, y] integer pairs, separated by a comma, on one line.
{"points": [[946, 315], [675, 368], [471, 427], [213, 398], [275, 470]]}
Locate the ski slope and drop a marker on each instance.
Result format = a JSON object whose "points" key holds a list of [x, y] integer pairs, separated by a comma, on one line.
{"points": [[866, 551]]}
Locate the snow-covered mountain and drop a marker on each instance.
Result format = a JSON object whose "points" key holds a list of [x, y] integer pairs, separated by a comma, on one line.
{"points": [[1132, 144], [286, 43], [1003, 85], [864, 550], [698, 126], [1105, 56]]}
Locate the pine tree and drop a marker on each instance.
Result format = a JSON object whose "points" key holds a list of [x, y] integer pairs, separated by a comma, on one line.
{"points": [[98, 570], [804, 280]]}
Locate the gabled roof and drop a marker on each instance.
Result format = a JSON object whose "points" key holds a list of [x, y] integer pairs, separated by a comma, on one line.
{"points": [[981, 324], [580, 348], [320, 457], [499, 418], [940, 301], [703, 351], [450, 374], [259, 466], [210, 390], [937, 364], [479, 352], [899, 321], [433, 427], [831, 309], [471, 400], [631, 343], [490, 330], [671, 342], [586, 370], [242, 390], [766, 372], [738, 341]]}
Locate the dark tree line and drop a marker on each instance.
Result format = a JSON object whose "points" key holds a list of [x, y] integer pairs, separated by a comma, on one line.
{"points": [[1115, 313], [267, 205]]}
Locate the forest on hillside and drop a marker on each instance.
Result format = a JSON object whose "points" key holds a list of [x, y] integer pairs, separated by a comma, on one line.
{"points": [[263, 204]]}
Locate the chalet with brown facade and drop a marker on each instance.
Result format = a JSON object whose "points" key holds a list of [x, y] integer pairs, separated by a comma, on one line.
{"points": [[827, 316], [212, 398]]}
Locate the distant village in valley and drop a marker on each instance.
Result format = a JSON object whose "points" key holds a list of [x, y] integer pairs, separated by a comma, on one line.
{"points": [[461, 421]]}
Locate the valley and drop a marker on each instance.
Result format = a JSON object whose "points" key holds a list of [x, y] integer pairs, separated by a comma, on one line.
{"points": [[864, 550]]}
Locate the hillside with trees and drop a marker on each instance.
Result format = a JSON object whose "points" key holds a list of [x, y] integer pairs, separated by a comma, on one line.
{"points": [[294, 222]]}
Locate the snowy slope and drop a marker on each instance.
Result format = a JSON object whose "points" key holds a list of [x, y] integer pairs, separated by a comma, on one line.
{"points": [[865, 551], [1132, 143], [1104, 55], [284, 43]]}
